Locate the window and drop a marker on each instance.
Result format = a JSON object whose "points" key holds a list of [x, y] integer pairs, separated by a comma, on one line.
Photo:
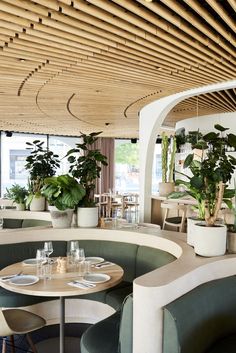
{"points": [[126, 166]]}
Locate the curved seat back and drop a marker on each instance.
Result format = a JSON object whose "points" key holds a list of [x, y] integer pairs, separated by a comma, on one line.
{"points": [[198, 319]]}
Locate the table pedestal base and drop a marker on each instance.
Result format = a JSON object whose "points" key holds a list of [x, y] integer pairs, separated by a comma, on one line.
{"points": [[51, 345]]}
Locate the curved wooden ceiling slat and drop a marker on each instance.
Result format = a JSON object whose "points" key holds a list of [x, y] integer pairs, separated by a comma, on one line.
{"points": [[112, 57]]}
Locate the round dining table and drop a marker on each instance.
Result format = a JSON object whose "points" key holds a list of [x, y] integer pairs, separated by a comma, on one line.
{"points": [[58, 285]]}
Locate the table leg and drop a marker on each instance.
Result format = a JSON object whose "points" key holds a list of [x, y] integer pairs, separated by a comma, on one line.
{"points": [[62, 324]]}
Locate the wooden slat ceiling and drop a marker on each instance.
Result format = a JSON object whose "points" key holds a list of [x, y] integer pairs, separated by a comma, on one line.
{"points": [[88, 65]]}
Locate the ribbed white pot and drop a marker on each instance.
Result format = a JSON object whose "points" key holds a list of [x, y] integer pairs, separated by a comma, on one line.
{"points": [[61, 219], [87, 217], [166, 188], [210, 241], [37, 204]]}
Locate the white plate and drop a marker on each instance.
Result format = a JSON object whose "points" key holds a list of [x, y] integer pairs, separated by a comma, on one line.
{"points": [[24, 280], [30, 262], [96, 278], [94, 260]]}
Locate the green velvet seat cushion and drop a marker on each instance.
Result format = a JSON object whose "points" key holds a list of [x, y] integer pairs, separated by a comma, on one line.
{"points": [[35, 223], [11, 299], [12, 223], [115, 296], [148, 259], [112, 296], [225, 345], [103, 337], [123, 254], [196, 321]]}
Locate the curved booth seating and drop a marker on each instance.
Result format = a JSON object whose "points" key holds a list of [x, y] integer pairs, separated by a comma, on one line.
{"points": [[114, 334], [203, 320], [136, 260]]}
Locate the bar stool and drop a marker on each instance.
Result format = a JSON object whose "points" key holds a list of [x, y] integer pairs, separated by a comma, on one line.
{"points": [[18, 322], [174, 221]]}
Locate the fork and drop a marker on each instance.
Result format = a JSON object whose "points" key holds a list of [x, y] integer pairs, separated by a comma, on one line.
{"points": [[11, 276], [85, 284]]}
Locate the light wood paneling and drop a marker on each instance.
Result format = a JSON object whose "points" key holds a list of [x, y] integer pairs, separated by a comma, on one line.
{"points": [[70, 66]]}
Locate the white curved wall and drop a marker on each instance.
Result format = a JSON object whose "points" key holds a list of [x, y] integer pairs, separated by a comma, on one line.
{"points": [[206, 123], [151, 119]]}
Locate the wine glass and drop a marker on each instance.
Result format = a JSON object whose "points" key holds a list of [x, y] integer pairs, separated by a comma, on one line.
{"points": [[73, 246], [48, 248]]}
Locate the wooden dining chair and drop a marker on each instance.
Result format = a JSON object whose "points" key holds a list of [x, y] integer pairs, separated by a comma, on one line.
{"points": [[19, 322], [177, 221]]}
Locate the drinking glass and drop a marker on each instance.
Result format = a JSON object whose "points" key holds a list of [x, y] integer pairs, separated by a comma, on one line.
{"points": [[40, 257], [79, 258], [48, 248], [1, 223]]}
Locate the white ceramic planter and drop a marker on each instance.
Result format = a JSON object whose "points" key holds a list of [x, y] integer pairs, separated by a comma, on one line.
{"points": [[61, 219], [166, 188], [37, 204], [231, 242], [209, 241], [20, 206], [190, 230], [87, 217]]}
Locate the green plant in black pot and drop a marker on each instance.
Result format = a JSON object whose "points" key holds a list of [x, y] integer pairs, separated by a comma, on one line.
{"points": [[62, 191], [85, 165]]}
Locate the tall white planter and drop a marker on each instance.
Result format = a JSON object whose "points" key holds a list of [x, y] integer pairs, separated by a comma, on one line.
{"points": [[209, 241], [87, 217], [37, 204], [61, 219]]}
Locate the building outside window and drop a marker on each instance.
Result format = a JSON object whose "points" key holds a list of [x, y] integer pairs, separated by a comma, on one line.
{"points": [[14, 153]]}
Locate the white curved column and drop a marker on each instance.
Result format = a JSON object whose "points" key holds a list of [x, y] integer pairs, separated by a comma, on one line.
{"points": [[151, 119]]}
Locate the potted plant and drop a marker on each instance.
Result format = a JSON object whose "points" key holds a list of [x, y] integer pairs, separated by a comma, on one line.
{"points": [[63, 194], [85, 165], [17, 194], [211, 173], [41, 163], [167, 155]]}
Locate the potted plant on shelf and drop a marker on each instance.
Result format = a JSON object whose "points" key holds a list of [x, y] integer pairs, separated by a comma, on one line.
{"points": [[41, 163], [85, 165], [211, 173], [17, 194], [63, 194], [167, 155]]}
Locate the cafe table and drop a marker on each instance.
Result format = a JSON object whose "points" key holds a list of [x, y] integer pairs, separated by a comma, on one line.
{"points": [[58, 286]]}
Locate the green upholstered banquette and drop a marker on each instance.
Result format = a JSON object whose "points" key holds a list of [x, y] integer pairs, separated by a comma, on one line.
{"points": [[203, 320], [113, 334]]}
